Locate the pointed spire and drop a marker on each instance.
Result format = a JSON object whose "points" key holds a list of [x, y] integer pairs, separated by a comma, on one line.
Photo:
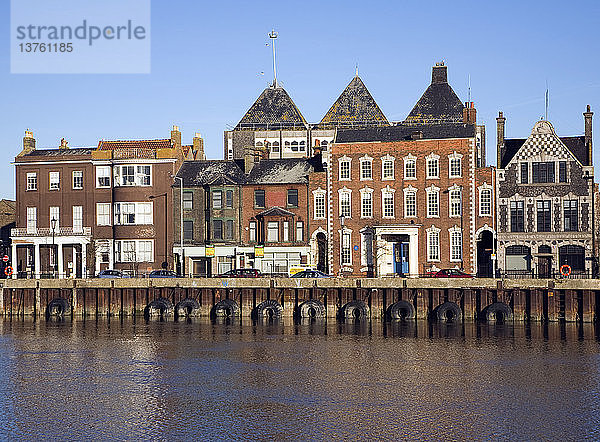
{"points": [[355, 107], [356, 75]]}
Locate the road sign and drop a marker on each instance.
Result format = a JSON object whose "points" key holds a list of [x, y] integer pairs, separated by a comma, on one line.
{"points": [[5, 258]]}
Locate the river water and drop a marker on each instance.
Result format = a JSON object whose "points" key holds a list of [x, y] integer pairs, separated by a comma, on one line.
{"points": [[131, 379]]}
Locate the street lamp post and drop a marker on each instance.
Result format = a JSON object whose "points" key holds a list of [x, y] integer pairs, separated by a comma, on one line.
{"points": [[165, 264], [53, 225], [181, 257]]}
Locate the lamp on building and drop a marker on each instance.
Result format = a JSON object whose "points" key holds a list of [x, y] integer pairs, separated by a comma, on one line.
{"points": [[165, 264], [53, 226], [181, 257]]}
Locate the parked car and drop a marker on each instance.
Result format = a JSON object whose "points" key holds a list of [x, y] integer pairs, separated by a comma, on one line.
{"points": [[451, 273], [241, 273], [311, 274], [112, 274], [162, 274]]}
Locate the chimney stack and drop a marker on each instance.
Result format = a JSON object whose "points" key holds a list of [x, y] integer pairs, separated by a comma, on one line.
{"points": [[500, 138], [28, 142], [248, 160], [198, 146], [469, 113], [587, 116], [63, 144], [439, 74], [176, 136]]}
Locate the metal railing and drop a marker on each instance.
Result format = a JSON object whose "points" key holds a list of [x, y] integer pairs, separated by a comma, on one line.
{"points": [[46, 231], [554, 274]]}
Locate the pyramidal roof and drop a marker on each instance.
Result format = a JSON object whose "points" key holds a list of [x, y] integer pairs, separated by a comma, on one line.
{"points": [[354, 107], [273, 109], [439, 103]]}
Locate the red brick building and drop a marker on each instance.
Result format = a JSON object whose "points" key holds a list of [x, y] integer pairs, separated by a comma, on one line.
{"points": [[275, 211], [82, 210], [411, 198]]}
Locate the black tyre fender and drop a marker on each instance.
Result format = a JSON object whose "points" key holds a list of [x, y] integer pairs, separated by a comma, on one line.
{"points": [[312, 308], [225, 309], [187, 307], [447, 312], [159, 307], [498, 312], [268, 309], [401, 310], [355, 310], [58, 307]]}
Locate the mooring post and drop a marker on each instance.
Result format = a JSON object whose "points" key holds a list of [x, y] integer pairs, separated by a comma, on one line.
{"points": [[589, 306], [74, 297], [38, 299]]}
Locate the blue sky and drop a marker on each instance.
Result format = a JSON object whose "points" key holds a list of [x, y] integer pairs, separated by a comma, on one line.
{"points": [[207, 60]]}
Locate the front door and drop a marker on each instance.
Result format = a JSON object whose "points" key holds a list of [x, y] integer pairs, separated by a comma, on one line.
{"points": [[544, 266], [401, 258]]}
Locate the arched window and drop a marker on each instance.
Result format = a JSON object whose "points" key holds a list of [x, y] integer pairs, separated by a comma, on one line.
{"points": [[302, 146], [275, 146], [324, 144], [294, 146]]}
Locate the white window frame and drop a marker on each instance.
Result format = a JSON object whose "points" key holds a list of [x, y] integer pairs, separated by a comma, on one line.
{"points": [[103, 214], [188, 204], [31, 219], [345, 247], [77, 174], [252, 231], [455, 157], [341, 161], [54, 213], [410, 191], [455, 235], [102, 172], [386, 192], [431, 159], [388, 159], [433, 190], [286, 231], [136, 250], [410, 159], [343, 193], [143, 213], [54, 180], [299, 230], [77, 219], [32, 181], [455, 203], [137, 178], [433, 244], [366, 193], [319, 212], [364, 161], [485, 188], [270, 225]]}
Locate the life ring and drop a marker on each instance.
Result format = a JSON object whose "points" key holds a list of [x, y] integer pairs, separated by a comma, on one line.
{"points": [[565, 269], [8, 270]]}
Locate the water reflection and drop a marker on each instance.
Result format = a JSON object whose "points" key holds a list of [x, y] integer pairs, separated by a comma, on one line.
{"points": [[235, 378]]}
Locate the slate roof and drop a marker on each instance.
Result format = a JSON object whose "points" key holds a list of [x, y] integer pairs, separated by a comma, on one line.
{"points": [[72, 151], [403, 132], [284, 171], [439, 102], [273, 109], [207, 172], [135, 144], [354, 107], [575, 144]]}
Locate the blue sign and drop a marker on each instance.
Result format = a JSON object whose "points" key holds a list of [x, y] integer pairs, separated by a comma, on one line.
{"points": [[355, 247]]}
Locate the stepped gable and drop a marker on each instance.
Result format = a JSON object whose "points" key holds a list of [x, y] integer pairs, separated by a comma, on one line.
{"points": [[439, 103], [208, 172], [355, 107], [273, 109]]}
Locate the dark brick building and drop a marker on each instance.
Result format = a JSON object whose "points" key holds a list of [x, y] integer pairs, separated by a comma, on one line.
{"points": [[544, 198], [212, 204]]}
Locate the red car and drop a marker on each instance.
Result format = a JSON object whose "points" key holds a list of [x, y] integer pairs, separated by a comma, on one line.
{"points": [[451, 273]]}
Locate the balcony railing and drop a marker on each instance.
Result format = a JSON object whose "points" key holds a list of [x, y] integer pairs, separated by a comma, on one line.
{"points": [[46, 231]]}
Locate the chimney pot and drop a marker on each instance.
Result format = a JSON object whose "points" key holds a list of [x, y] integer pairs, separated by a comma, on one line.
{"points": [[175, 128]]}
